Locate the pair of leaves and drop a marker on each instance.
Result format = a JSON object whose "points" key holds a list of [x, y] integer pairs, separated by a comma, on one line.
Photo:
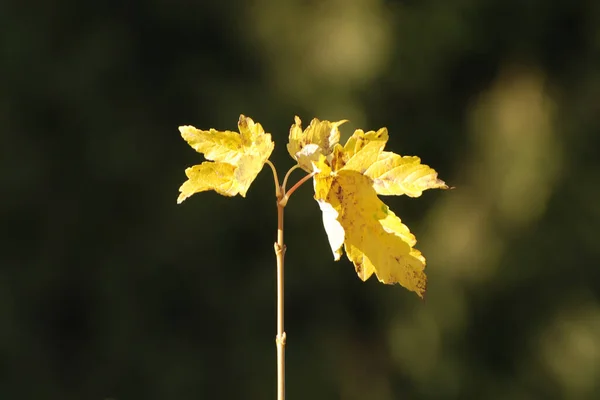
{"points": [[347, 184], [237, 158], [347, 181]]}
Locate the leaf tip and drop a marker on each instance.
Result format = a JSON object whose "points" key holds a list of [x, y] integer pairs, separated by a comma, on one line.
{"points": [[421, 288], [243, 121], [440, 184], [184, 129]]}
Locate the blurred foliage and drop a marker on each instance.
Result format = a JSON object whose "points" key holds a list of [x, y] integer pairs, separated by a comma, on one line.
{"points": [[104, 295]]}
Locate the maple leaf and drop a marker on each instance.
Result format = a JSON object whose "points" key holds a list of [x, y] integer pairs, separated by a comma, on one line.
{"points": [[319, 138], [375, 240], [235, 159]]}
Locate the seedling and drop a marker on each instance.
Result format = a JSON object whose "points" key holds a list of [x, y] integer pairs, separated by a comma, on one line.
{"points": [[347, 181]]}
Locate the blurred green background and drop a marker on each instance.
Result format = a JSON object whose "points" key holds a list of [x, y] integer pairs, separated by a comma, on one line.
{"points": [[108, 289]]}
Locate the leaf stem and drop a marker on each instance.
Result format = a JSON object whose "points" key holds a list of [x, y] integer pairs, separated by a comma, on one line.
{"points": [[285, 179], [278, 190], [287, 195], [281, 337]]}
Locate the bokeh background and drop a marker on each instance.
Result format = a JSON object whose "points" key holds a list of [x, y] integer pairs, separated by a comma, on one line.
{"points": [[109, 290]]}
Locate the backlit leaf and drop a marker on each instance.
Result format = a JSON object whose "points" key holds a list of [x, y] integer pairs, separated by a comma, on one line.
{"points": [[237, 158], [318, 138], [396, 175], [375, 240]]}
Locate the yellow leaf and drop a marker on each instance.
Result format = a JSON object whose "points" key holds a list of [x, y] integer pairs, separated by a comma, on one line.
{"points": [[318, 138], [396, 175], [208, 176], [375, 240], [373, 237], [362, 149], [237, 158]]}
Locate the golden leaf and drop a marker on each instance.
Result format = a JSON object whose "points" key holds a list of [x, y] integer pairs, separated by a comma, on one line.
{"points": [[236, 158], [396, 175], [374, 238], [319, 138]]}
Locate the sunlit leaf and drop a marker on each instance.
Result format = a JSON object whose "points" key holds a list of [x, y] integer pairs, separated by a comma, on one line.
{"points": [[396, 175], [375, 240], [237, 158], [319, 138]]}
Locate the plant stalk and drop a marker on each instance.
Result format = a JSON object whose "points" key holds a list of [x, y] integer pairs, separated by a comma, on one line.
{"points": [[281, 337]]}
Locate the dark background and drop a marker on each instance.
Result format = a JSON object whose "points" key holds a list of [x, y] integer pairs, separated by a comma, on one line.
{"points": [[108, 289]]}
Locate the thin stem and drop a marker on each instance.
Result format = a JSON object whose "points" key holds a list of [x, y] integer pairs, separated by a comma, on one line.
{"points": [[281, 337], [287, 195], [285, 179], [277, 187]]}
